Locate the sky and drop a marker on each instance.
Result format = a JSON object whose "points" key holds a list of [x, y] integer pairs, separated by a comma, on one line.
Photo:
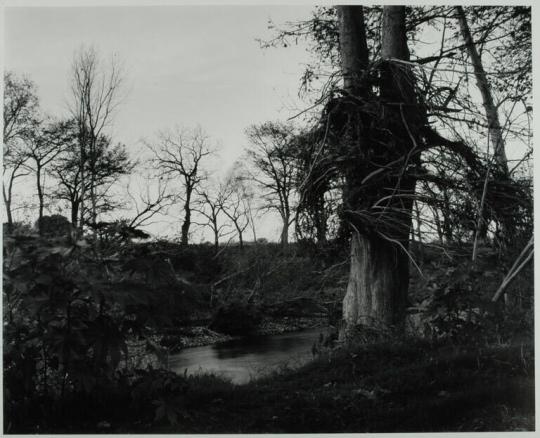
{"points": [[184, 65]]}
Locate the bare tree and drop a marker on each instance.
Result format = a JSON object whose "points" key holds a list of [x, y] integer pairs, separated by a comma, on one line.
{"points": [[21, 108], [43, 147], [179, 152], [20, 119], [210, 205], [272, 155], [235, 208], [13, 163], [95, 95], [152, 198], [239, 178], [111, 162]]}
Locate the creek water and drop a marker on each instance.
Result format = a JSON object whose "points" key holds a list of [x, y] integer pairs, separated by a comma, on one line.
{"points": [[244, 359]]}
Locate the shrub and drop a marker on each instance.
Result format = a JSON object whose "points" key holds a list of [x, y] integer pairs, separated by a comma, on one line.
{"points": [[55, 225], [66, 325]]}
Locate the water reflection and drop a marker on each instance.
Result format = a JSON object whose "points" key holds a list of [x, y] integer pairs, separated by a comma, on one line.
{"points": [[243, 359]]}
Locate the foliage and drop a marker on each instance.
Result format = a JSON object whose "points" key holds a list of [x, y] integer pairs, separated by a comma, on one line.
{"points": [[68, 319], [454, 302]]}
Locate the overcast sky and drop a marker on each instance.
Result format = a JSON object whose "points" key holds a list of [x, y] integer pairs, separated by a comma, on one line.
{"points": [[183, 65]]}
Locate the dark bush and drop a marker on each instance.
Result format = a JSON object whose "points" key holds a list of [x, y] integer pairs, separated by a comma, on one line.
{"points": [[55, 225], [236, 318]]}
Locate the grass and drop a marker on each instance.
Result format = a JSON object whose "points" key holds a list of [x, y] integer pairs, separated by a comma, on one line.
{"points": [[414, 387], [401, 386]]}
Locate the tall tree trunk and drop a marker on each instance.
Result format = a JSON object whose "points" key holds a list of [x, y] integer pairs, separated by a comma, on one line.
{"points": [[253, 231], [93, 199], [495, 131], [74, 213], [492, 115], [379, 270], [240, 238], [82, 163], [353, 47], [187, 217], [216, 238], [7, 202], [284, 238], [40, 200], [8, 195]]}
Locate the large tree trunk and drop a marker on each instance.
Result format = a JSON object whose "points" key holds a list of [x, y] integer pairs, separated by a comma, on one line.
{"points": [[353, 47], [376, 296], [379, 271]]}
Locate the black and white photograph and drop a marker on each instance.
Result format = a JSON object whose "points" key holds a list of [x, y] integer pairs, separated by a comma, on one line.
{"points": [[267, 218]]}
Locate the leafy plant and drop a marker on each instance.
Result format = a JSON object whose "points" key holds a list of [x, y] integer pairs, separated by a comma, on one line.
{"points": [[68, 315]]}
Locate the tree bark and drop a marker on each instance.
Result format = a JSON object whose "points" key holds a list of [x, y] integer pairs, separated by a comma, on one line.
{"points": [[353, 47], [379, 270], [375, 294]]}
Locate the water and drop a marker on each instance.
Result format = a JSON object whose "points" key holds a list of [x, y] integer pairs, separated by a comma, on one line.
{"points": [[243, 359]]}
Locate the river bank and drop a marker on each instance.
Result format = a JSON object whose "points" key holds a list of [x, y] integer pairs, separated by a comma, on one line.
{"points": [[199, 335], [408, 386], [375, 388]]}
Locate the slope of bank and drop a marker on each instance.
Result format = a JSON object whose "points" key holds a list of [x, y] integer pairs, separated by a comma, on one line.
{"points": [[407, 386]]}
